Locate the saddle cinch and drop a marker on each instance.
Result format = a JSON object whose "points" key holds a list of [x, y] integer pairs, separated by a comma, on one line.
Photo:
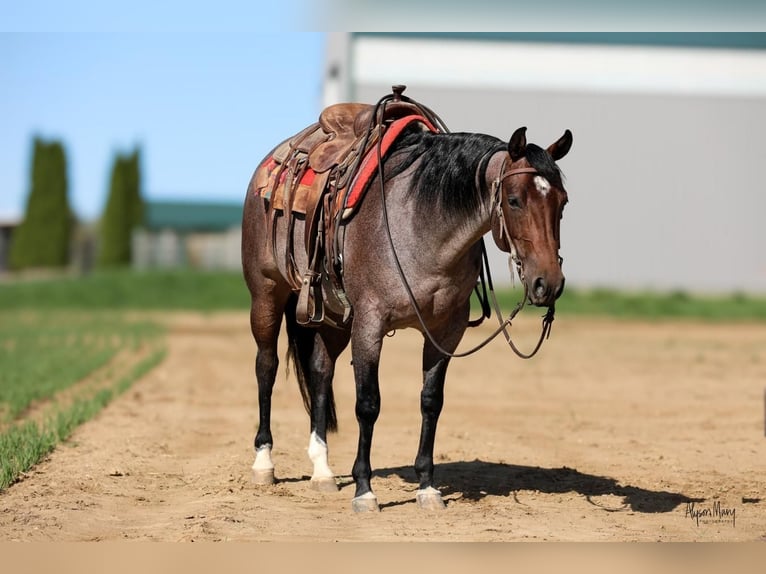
{"points": [[319, 177]]}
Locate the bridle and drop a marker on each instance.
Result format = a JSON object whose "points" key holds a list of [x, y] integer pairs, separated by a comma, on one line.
{"points": [[496, 210]]}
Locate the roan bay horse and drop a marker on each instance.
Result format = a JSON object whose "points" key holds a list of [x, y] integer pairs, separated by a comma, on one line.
{"points": [[420, 224]]}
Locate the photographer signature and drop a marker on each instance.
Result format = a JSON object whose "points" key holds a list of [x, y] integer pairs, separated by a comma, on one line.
{"points": [[716, 513]]}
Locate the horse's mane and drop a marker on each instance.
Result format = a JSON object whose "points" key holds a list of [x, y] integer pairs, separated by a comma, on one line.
{"points": [[446, 175]]}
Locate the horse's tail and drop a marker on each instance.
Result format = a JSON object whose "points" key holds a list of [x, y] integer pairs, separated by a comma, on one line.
{"points": [[300, 343]]}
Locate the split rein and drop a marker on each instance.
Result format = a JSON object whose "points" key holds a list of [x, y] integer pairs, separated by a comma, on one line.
{"points": [[547, 322]]}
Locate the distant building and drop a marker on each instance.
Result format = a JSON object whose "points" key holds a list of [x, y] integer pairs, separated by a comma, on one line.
{"points": [[7, 227], [188, 234], [664, 174]]}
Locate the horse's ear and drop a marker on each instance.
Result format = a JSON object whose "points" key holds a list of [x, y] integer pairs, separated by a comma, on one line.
{"points": [[560, 148], [517, 147]]}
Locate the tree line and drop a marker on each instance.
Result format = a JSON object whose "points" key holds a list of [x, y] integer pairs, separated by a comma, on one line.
{"points": [[45, 236]]}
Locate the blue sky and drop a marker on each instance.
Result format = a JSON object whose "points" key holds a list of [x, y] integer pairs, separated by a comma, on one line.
{"points": [[203, 107]]}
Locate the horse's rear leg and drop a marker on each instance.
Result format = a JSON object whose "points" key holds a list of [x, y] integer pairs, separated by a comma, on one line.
{"points": [[315, 351], [265, 322], [323, 418]]}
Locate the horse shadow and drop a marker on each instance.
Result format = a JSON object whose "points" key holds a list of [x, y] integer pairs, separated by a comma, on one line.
{"points": [[474, 480]]}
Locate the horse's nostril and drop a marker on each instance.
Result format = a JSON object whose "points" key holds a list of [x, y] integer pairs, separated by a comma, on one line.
{"points": [[539, 287]]}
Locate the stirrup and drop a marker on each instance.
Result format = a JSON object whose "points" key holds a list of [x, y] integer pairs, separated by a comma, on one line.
{"points": [[310, 308]]}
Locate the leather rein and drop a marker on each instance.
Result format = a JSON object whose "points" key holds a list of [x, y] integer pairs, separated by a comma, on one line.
{"points": [[495, 210]]}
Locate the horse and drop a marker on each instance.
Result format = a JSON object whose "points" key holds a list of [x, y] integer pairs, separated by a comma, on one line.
{"points": [[412, 256]]}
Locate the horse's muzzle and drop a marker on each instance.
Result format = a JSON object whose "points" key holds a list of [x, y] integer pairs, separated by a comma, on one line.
{"points": [[544, 292]]}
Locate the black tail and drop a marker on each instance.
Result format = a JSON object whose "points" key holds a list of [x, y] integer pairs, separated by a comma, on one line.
{"points": [[299, 348]]}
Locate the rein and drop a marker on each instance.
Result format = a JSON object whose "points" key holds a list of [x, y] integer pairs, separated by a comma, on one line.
{"points": [[503, 324]]}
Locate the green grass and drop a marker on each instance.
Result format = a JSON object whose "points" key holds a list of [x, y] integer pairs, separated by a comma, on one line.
{"points": [[671, 305], [220, 291], [650, 305], [125, 289], [24, 444], [45, 354]]}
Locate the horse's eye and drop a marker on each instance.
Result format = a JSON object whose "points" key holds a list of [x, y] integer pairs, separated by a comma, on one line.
{"points": [[514, 202]]}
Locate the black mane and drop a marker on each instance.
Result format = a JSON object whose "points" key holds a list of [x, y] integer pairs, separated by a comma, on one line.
{"points": [[446, 176], [542, 161]]}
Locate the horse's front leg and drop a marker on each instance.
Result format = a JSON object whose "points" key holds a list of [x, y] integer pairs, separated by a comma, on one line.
{"points": [[431, 402], [435, 365], [365, 352]]}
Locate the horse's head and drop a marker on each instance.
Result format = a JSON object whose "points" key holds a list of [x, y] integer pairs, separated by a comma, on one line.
{"points": [[530, 198]]}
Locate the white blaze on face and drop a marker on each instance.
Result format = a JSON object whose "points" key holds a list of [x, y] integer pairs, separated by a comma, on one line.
{"points": [[542, 185]]}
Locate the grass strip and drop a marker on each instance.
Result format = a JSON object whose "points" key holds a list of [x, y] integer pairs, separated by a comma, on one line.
{"points": [[45, 353], [126, 289], [23, 445], [737, 307], [208, 291]]}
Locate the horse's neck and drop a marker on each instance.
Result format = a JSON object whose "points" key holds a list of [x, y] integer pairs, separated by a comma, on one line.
{"points": [[459, 238]]}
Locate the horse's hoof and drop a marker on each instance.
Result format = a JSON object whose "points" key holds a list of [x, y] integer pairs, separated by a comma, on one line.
{"points": [[264, 477], [324, 484], [430, 499], [367, 502]]}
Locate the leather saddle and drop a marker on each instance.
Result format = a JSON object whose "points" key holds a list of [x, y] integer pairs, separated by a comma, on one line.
{"points": [[306, 178]]}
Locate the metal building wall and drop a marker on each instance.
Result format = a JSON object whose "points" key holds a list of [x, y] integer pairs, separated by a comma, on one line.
{"points": [[665, 186]]}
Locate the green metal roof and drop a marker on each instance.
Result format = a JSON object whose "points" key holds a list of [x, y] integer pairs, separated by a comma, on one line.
{"points": [[731, 40], [192, 216]]}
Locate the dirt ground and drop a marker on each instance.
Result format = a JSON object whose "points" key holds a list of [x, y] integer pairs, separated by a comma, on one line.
{"points": [[616, 431]]}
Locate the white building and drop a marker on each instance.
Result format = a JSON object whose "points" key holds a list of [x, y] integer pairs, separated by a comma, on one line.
{"points": [[665, 175]]}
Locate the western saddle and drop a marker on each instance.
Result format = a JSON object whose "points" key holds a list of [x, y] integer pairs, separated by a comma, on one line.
{"points": [[310, 177]]}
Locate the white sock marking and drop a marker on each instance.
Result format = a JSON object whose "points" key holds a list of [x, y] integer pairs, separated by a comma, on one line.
{"points": [[428, 491], [366, 496], [318, 454], [263, 458]]}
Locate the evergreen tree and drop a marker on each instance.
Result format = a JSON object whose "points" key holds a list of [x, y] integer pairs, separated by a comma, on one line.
{"points": [[123, 211], [43, 238], [133, 176]]}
